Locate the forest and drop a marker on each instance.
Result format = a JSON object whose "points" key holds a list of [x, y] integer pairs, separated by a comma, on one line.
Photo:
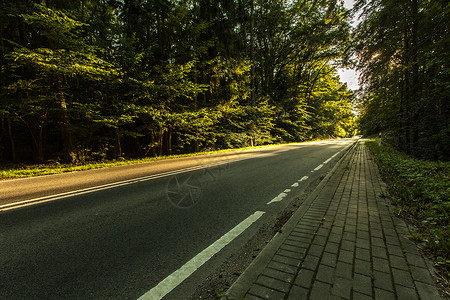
{"points": [[93, 80], [402, 50]]}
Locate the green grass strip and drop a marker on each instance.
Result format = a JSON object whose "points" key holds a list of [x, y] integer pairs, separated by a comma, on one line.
{"points": [[421, 191]]}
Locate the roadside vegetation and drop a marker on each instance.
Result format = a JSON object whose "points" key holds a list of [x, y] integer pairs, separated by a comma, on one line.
{"points": [[420, 189]]}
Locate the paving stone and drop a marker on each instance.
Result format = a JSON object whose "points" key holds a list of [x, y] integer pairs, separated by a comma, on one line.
{"points": [[282, 267], [384, 295], [304, 278], [363, 267], [348, 245], [329, 259], [363, 244], [421, 274], [316, 250], [311, 262], [325, 274], [273, 284], [362, 284], [265, 293], [344, 270], [402, 277], [378, 242], [332, 247], [295, 255], [406, 292], [319, 240], [380, 264], [363, 254], [427, 291], [297, 293], [393, 250], [342, 288], [379, 252], [360, 296], [398, 262], [383, 281], [283, 276], [292, 248], [346, 256], [287, 260], [320, 291]]}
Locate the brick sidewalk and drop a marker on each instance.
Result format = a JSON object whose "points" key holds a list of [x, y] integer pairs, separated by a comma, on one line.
{"points": [[343, 243]]}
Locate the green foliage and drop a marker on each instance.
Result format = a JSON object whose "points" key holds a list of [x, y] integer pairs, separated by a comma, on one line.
{"points": [[97, 80], [421, 189]]}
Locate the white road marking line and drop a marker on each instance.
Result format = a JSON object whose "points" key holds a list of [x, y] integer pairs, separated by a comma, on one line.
{"points": [[295, 184], [328, 160], [303, 178], [287, 190], [318, 167], [177, 277], [277, 198], [59, 196]]}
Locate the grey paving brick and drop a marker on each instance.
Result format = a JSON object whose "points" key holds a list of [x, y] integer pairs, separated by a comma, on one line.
{"points": [[406, 292], [379, 252], [363, 244], [319, 240], [384, 295], [251, 297], [320, 291], [335, 237], [342, 288], [286, 260], [273, 284], [265, 293], [363, 254], [363, 267], [298, 293], [379, 242], [383, 281], [295, 255], [325, 274], [295, 243], [381, 264], [348, 245], [344, 270], [282, 267], [316, 250], [283, 276], [362, 284], [398, 262], [329, 259], [311, 262], [415, 260], [332, 247], [359, 296], [304, 278], [346, 256], [421, 274], [427, 291], [402, 277], [292, 248], [392, 241], [395, 250]]}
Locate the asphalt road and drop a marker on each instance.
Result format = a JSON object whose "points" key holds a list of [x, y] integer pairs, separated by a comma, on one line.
{"points": [[148, 234]]}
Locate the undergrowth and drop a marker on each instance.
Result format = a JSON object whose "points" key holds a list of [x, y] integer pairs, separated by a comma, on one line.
{"points": [[421, 191]]}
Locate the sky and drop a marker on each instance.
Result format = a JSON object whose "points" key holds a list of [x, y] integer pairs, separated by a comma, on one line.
{"points": [[347, 75]]}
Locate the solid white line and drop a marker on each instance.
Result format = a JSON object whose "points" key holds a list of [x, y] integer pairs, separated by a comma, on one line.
{"points": [[328, 160], [49, 198], [177, 277]]}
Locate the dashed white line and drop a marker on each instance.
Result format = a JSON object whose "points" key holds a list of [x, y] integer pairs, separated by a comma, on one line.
{"points": [[303, 178], [295, 184], [287, 190], [177, 277], [318, 167], [277, 198]]}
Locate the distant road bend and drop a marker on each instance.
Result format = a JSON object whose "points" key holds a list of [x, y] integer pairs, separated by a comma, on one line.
{"points": [[150, 231]]}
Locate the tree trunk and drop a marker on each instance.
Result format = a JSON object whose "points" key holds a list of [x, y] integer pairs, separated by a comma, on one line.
{"points": [[66, 132], [11, 139]]}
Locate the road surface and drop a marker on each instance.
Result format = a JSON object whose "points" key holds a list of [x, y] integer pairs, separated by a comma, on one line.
{"points": [[147, 231]]}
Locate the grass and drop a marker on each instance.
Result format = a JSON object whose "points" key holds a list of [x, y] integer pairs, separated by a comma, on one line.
{"points": [[12, 171], [421, 191]]}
